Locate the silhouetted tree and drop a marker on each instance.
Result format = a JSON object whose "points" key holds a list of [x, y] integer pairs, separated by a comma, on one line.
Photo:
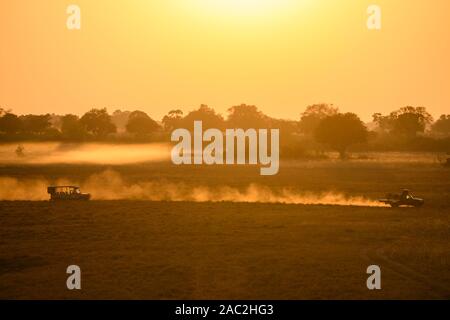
{"points": [[206, 114], [36, 124], [442, 125], [10, 124], [98, 123], [383, 123], [72, 128], [407, 121], [172, 120], [312, 116], [246, 116], [140, 124], [341, 131]]}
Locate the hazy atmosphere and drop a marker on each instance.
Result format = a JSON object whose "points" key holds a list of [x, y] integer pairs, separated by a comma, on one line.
{"points": [[279, 55], [225, 149]]}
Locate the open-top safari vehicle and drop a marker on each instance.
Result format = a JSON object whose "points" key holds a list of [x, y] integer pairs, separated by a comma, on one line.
{"points": [[67, 193], [403, 199]]}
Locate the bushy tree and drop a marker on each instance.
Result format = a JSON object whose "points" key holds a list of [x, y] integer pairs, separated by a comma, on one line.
{"points": [[72, 128], [442, 125], [98, 123], [172, 120], [312, 116], [340, 131], [36, 124], [406, 121], [140, 124], [205, 114], [10, 123], [246, 116]]}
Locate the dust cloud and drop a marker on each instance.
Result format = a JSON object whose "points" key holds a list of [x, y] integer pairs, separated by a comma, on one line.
{"points": [[12, 189], [109, 185]]}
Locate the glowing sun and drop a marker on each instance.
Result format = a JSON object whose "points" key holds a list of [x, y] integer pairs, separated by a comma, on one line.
{"points": [[244, 7]]}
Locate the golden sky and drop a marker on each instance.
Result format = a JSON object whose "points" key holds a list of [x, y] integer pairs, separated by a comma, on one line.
{"points": [[282, 55]]}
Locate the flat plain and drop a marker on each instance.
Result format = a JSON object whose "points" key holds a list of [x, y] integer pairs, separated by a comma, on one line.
{"points": [[133, 247]]}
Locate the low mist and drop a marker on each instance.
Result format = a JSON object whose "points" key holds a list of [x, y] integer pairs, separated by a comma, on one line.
{"points": [[84, 153]]}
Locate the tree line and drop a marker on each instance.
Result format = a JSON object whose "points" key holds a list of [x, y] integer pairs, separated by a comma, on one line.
{"points": [[319, 128]]}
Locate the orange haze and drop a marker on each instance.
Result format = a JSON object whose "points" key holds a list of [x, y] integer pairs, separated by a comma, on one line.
{"points": [[163, 54]]}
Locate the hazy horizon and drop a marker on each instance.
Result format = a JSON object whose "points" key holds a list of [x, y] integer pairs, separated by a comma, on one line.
{"points": [[186, 110], [280, 56]]}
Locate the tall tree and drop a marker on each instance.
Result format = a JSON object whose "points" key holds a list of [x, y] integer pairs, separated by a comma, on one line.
{"points": [[207, 115], [247, 116], [340, 131], [10, 124], [313, 114], [72, 128], [98, 123], [36, 124], [442, 125], [406, 121], [140, 124], [172, 120]]}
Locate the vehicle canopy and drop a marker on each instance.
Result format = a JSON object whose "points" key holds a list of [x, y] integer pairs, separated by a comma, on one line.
{"points": [[63, 189]]}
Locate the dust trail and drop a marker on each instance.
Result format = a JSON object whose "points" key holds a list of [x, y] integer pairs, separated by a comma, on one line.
{"points": [[12, 189], [109, 185]]}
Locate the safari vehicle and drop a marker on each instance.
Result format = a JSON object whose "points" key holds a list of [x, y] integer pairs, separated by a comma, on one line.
{"points": [[67, 193], [403, 199]]}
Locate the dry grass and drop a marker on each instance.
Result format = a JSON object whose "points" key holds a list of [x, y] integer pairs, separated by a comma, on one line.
{"points": [[186, 250]]}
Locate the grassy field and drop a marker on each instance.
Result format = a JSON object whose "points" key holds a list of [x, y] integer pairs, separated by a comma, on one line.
{"points": [[131, 248]]}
